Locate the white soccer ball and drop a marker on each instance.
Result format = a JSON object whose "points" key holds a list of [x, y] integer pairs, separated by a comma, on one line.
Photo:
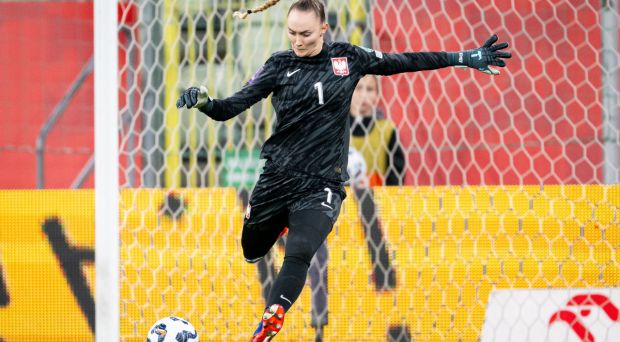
{"points": [[356, 168], [172, 329]]}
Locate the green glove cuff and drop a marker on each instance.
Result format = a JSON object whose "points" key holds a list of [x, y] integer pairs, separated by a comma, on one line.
{"points": [[203, 98]]}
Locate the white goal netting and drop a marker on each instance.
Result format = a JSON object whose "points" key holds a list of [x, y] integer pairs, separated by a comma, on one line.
{"points": [[502, 185]]}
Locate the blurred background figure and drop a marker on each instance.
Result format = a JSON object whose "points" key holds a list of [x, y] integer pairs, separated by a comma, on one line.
{"points": [[374, 136]]}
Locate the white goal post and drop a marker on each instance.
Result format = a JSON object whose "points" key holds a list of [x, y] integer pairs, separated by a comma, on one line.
{"points": [[107, 267]]}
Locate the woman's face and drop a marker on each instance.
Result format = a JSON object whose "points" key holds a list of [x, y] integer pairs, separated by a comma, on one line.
{"points": [[305, 32], [365, 96]]}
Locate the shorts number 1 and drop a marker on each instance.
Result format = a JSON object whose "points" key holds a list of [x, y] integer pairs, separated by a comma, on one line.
{"points": [[329, 195]]}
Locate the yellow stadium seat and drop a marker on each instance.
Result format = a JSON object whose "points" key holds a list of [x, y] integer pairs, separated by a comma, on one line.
{"points": [[605, 214], [140, 294], [467, 246], [552, 191], [581, 250], [466, 201], [612, 235], [482, 198], [551, 227], [476, 269], [491, 224], [602, 252], [502, 246], [574, 193], [457, 225], [612, 195], [561, 208], [436, 249], [475, 223], [610, 275], [125, 290], [550, 269], [591, 273], [596, 194], [450, 201], [511, 267], [531, 223], [509, 223], [521, 246], [500, 199], [432, 199], [520, 200], [592, 232], [442, 225], [540, 247], [583, 211], [571, 230], [541, 206], [461, 320], [530, 269], [493, 268], [450, 249], [485, 245]]}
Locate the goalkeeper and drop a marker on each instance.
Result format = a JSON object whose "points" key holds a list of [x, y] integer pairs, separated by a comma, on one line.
{"points": [[301, 186]]}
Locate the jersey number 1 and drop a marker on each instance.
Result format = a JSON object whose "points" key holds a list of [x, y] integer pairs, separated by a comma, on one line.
{"points": [[319, 88]]}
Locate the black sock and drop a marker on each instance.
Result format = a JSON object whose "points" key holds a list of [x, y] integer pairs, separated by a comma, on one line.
{"points": [[289, 282]]}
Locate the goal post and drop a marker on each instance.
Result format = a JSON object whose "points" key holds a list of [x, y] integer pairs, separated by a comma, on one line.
{"points": [[107, 266]]}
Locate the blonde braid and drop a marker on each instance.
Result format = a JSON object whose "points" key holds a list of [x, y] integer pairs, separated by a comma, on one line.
{"points": [[260, 8]]}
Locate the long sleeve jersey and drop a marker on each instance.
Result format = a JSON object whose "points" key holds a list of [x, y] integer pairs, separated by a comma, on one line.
{"points": [[311, 98]]}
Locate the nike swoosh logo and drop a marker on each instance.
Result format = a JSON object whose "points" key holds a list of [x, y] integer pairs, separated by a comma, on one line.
{"points": [[286, 299], [289, 74], [326, 205]]}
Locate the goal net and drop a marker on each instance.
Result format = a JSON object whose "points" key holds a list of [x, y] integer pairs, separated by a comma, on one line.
{"points": [[503, 222]]}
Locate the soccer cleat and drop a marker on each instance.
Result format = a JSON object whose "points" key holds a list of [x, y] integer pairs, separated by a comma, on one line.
{"points": [[270, 325]]}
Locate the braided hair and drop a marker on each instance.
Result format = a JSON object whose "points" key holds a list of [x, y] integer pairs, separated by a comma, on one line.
{"points": [[266, 5]]}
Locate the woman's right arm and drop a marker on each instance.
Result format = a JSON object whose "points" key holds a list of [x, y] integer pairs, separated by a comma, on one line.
{"points": [[257, 88]]}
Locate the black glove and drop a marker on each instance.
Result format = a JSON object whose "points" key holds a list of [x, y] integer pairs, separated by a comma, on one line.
{"points": [[194, 97], [483, 57]]}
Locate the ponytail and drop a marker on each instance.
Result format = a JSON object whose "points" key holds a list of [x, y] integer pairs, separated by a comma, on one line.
{"points": [[260, 8]]}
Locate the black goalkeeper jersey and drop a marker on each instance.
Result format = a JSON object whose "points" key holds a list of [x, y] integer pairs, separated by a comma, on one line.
{"points": [[311, 98]]}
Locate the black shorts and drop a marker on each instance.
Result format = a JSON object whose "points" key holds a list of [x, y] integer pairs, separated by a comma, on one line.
{"points": [[278, 195]]}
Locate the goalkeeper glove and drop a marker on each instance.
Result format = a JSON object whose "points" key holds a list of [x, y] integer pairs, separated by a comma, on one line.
{"points": [[482, 58], [194, 97]]}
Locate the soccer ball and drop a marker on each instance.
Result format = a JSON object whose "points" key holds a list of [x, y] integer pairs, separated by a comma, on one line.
{"points": [[172, 329], [356, 168]]}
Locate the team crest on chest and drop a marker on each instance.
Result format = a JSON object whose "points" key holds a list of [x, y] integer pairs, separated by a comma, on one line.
{"points": [[340, 66]]}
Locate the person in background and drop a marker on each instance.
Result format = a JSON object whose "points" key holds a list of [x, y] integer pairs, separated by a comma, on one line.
{"points": [[375, 136]]}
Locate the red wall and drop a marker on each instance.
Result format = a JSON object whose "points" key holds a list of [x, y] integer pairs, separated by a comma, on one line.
{"points": [[44, 46], [537, 122]]}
